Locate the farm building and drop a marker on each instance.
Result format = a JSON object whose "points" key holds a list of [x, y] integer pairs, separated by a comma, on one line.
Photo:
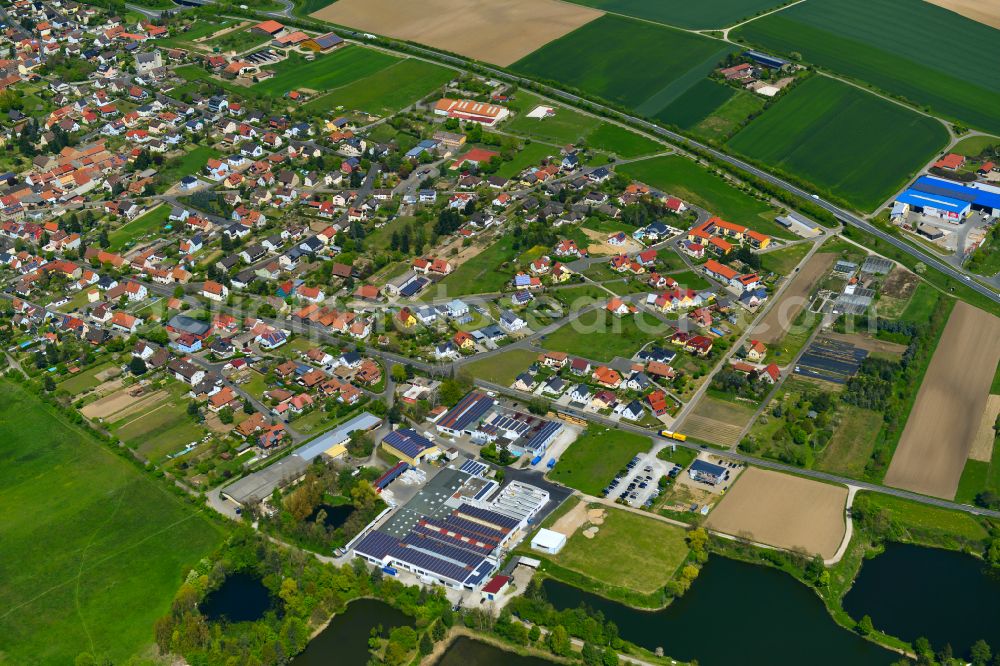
{"points": [[949, 200], [706, 472], [272, 28], [466, 109], [323, 43], [548, 541]]}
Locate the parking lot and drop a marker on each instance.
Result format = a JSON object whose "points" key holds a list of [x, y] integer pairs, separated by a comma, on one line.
{"points": [[638, 484]]}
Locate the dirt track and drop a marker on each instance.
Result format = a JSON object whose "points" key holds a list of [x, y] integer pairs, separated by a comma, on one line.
{"points": [[782, 315], [784, 511], [949, 407], [496, 32]]}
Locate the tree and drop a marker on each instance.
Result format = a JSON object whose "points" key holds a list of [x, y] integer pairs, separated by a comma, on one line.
{"points": [[865, 625], [980, 653], [591, 655], [49, 383], [226, 415], [438, 631], [610, 657], [137, 366], [398, 373], [534, 633], [192, 408], [558, 641], [426, 644]]}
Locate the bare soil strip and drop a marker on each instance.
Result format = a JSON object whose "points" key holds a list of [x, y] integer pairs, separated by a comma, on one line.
{"points": [[496, 32], [987, 13], [711, 430], [982, 445], [948, 410], [782, 315], [569, 522], [866, 342], [784, 511]]}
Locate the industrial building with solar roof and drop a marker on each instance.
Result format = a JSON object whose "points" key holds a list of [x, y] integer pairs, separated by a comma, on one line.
{"points": [[450, 533]]}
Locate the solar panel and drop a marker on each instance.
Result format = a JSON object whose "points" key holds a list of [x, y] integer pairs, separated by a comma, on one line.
{"points": [[491, 517]]}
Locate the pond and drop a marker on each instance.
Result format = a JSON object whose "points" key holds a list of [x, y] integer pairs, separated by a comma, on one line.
{"points": [[335, 515], [240, 598], [465, 651], [736, 613], [945, 596], [345, 639]]}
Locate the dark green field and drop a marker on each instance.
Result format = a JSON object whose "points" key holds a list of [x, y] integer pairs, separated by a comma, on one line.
{"points": [[635, 64], [684, 13], [91, 549], [908, 48], [848, 141], [333, 70], [696, 104]]}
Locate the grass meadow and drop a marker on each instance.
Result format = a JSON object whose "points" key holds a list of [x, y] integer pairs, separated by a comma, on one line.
{"points": [[649, 67], [148, 223], [682, 177], [486, 272], [615, 336], [91, 549], [343, 66], [387, 90], [842, 139], [595, 457], [897, 46]]}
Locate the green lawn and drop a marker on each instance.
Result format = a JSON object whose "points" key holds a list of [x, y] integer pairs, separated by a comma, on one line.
{"points": [[974, 145], [580, 296], [682, 177], [238, 40], [595, 457], [92, 550], [200, 28], [922, 303], [503, 368], [488, 271], [189, 164], [979, 476], [730, 117], [343, 66], [691, 280], [686, 14], [566, 126], [600, 336], [629, 551], [622, 142], [886, 43], [84, 381], [531, 154], [149, 223], [819, 129], [784, 260], [921, 517], [649, 66], [161, 430], [851, 446], [387, 90]]}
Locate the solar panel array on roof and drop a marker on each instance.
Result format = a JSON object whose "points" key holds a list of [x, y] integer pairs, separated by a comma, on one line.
{"points": [[487, 516], [474, 467], [541, 437], [413, 286], [469, 409], [428, 555], [510, 425], [408, 442]]}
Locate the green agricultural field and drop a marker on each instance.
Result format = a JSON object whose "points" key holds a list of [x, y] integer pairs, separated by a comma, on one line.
{"points": [[387, 90], [630, 551], [595, 457], [486, 272], [686, 14], [343, 66], [149, 223], [683, 178], [845, 140], [614, 336], [622, 142], [698, 103], [895, 45], [503, 368], [649, 67], [101, 552], [199, 29]]}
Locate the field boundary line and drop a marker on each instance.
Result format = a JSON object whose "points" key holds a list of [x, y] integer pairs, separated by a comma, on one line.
{"points": [[725, 31], [83, 559]]}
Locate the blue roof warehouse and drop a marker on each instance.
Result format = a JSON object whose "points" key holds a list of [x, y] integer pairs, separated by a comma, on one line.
{"points": [[948, 200]]}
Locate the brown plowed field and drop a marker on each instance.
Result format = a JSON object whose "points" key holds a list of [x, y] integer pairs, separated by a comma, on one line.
{"points": [[784, 511], [496, 32], [782, 315], [987, 13], [949, 407]]}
